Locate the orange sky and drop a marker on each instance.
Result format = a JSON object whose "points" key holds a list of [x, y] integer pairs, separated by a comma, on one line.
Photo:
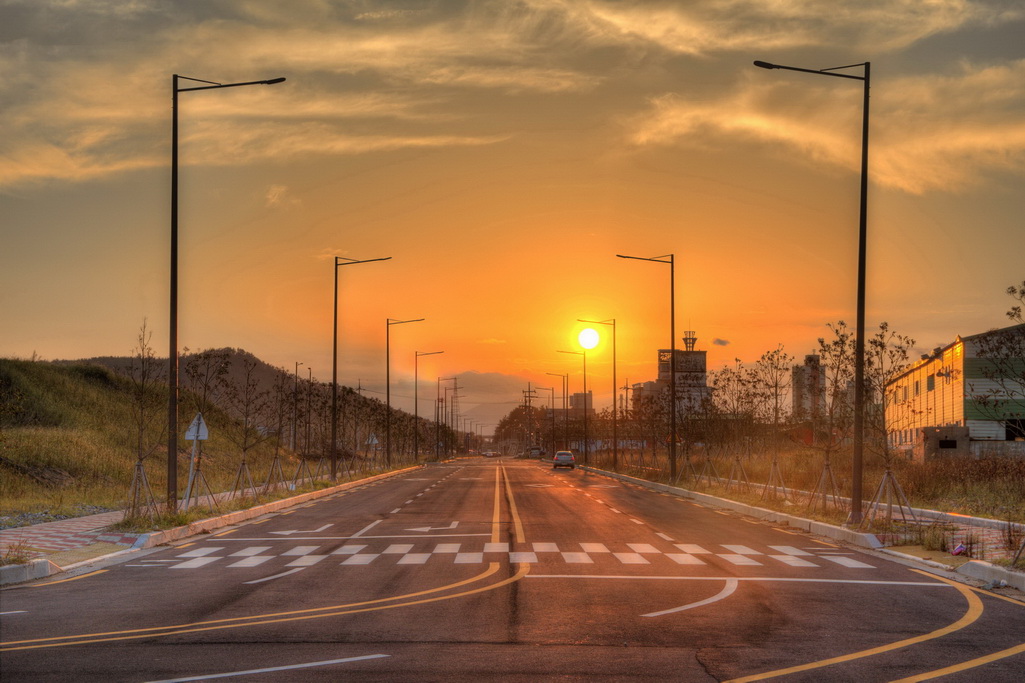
{"points": [[502, 155]]}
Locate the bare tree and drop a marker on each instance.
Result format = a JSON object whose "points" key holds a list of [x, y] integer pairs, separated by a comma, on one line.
{"points": [[249, 405], [144, 377], [886, 356]]}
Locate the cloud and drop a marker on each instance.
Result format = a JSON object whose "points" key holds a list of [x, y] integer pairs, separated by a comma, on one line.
{"points": [[280, 197], [721, 342], [942, 132]]}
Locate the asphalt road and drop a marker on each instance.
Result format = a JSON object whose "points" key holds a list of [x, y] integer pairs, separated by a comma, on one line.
{"points": [[488, 569]]}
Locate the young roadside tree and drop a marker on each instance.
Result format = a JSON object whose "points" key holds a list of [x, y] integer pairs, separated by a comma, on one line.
{"points": [[147, 401], [771, 376], [203, 374], [250, 406], [886, 356]]}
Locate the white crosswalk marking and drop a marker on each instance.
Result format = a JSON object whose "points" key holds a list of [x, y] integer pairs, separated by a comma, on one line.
{"points": [[540, 551], [252, 561], [789, 550], [349, 550], [846, 561], [793, 561], [301, 550], [692, 549], [643, 548], [447, 548], [594, 548], [577, 558], [630, 558], [194, 563], [201, 552], [741, 550], [252, 550]]}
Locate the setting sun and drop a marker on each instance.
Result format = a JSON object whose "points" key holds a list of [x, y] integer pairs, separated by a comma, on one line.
{"points": [[588, 338]]}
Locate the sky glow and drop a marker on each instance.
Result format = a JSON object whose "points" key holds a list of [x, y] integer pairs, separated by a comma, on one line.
{"points": [[502, 153]]}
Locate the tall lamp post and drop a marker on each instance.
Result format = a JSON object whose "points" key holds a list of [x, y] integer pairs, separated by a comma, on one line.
{"points": [[295, 404], [387, 383], [551, 407], [172, 355], [615, 389], [583, 354], [859, 339], [565, 405], [339, 262], [670, 259], [416, 400]]}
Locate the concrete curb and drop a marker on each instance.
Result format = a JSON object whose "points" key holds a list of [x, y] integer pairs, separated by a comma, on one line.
{"points": [[33, 569], [41, 568], [975, 569]]}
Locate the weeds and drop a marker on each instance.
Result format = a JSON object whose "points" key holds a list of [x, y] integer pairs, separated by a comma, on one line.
{"points": [[18, 553]]}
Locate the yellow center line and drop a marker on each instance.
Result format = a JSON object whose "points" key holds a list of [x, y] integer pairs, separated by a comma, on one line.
{"points": [[297, 615], [517, 523], [970, 664], [973, 613], [225, 533], [496, 515]]}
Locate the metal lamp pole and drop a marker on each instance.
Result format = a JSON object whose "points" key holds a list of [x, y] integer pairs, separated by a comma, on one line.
{"points": [[172, 354], [339, 261], [672, 352], [859, 339], [416, 400], [295, 403], [583, 354], [387, 383], [565, 406], [615, 389]]}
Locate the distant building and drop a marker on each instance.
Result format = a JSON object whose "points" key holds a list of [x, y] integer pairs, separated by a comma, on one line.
{"points": [[580, 402], [960, 400], [692, 390], [808, 390]]}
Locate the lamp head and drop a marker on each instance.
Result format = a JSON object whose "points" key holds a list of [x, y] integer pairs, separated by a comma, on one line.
{"points": [[765, 65], [274, 80]]}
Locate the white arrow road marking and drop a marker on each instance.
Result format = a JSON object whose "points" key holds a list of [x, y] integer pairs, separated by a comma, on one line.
{"points": [[300, 531], [453, 525], [727, 591]]}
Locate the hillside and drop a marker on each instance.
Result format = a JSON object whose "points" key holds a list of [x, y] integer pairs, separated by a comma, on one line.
{"points": [[70, 431]]}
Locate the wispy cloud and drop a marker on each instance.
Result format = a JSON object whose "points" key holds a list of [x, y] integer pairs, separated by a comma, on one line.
{"points": [[927, 133]]}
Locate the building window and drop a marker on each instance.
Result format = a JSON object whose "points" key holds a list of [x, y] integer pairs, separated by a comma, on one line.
{"points": [[918, 387], [930, 382], [948, 443]]}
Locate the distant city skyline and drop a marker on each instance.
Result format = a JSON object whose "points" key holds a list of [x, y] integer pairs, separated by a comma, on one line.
{"points": [[502, 154]]}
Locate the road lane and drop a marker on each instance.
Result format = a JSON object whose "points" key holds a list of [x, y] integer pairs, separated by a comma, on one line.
{"points": [[506, 567]]}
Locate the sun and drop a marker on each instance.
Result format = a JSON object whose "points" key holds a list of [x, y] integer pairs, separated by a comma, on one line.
{"points": [[588, 338]]}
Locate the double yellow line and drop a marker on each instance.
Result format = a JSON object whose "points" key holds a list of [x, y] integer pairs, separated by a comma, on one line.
{"points": [[407, 600]]}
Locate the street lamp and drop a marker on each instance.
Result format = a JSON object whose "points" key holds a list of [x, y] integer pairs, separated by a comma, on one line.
{"points": [[551, 407], [339, 261], [615, 426], [172, 355], [295, 404], [584, 355], [416, 400], [859, 339], [565, 406], [672, 352], [387, 382], [442, 405]]}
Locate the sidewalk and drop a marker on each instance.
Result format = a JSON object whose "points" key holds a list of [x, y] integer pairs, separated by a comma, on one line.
{"points": [[69, 541]]}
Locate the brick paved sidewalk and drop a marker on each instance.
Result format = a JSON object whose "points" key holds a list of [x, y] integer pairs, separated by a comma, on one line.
{"points": [[69, 540]]}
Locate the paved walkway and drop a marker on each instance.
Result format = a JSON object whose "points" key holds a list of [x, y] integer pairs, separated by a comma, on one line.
{"points": [[69, 540]]}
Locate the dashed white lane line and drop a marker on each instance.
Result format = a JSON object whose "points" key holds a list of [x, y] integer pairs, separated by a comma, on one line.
{"points": [[663, 536], [276, 576], [636, 521], [396, 510]]}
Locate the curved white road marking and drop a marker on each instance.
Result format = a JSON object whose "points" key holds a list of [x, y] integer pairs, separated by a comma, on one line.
{"points": [[727, 591], [208, 677], [277, 576]]}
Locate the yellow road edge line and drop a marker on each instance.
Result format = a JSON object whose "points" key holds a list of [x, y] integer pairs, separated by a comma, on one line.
{"points": [[970, 616], [494, 567], [496, 515], [517, 523], [73, 578], [963, 666], [224, 533]]}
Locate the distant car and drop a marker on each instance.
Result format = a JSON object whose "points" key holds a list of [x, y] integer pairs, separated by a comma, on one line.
{"points": [[490, 454], [564, 459]]}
